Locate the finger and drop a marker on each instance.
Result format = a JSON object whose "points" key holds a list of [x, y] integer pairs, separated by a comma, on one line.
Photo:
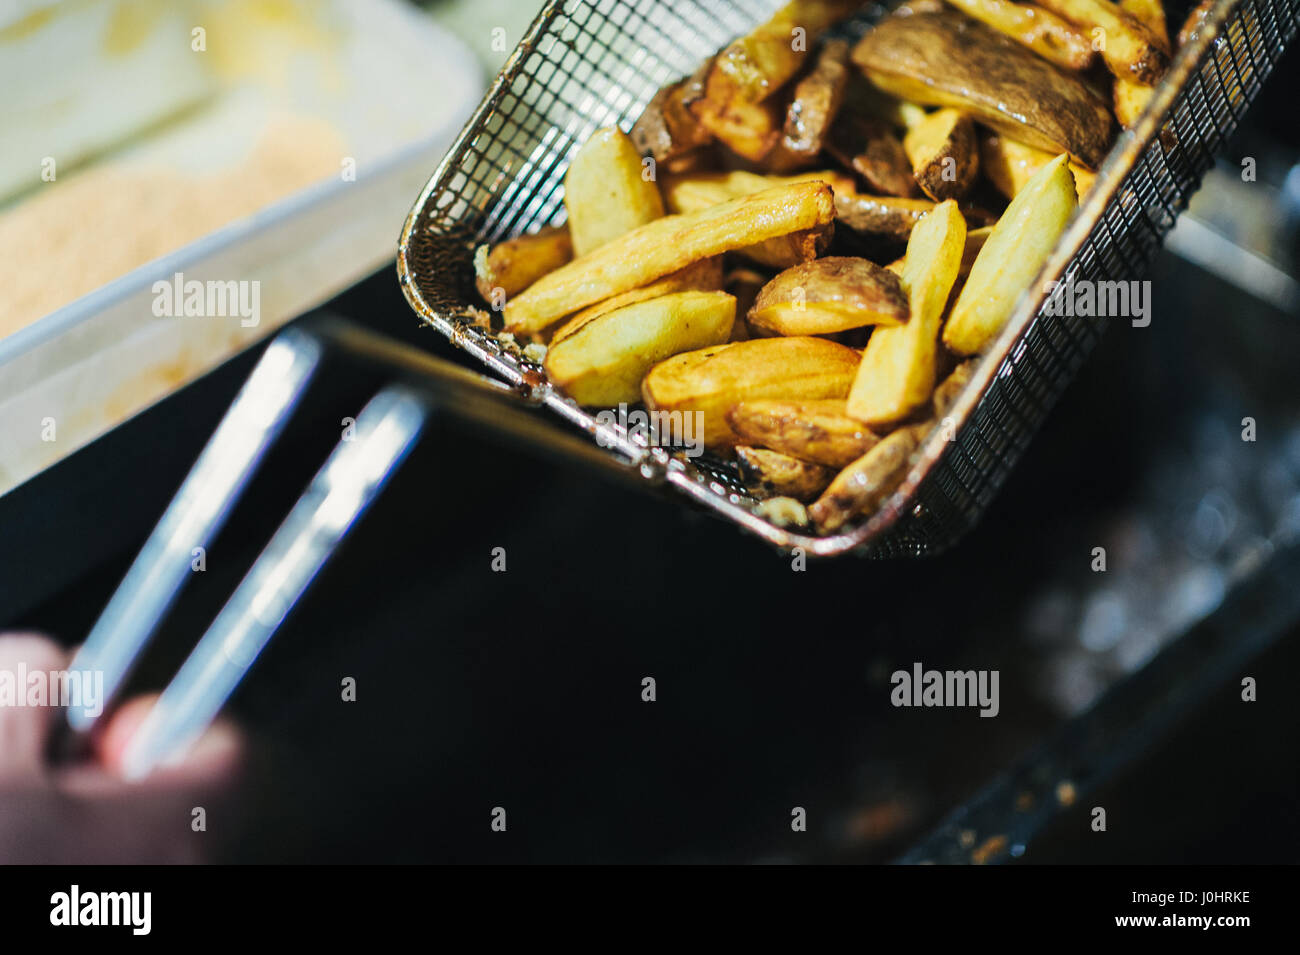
{"points": [[27, 711], [213, 755]]}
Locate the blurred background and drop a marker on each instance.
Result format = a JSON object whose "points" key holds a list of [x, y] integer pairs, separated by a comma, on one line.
{"points": [[290, 153]]}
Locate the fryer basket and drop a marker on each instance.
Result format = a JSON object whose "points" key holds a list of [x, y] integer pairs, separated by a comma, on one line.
{"points": [[585, 64]]}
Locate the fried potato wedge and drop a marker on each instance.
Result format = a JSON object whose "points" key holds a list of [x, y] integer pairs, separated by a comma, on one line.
{"points": [[603, 362], [863, 485], [515, 264], [1011, 258], [1045, 33], [948, 390], [691, 192], [887, 216], [606, 192], [813, 108], [944, 154], [898, 367], [750, 130], [947, 59], [772, 474], [1131, 97], [702, 276], [829, 295], [1129, 50], [1009, 164], [713, 380], [666, 130], [694, 191], [870, 148], [819, 431], [755, 66], [666, 245]]}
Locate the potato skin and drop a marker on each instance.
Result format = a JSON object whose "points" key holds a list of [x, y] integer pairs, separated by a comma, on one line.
{"points": [[944, 154], [830, 294], [818, 431], [517, 263], [813, 108], [947, 59], [713, 380], [862, 486], [774, 474]]}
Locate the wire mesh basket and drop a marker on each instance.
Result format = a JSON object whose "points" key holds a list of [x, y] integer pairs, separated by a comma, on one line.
{"points": [[586, 64]]}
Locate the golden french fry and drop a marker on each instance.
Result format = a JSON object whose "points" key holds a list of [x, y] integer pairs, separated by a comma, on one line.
{"points": [[515, 264], [666, 245], [814, 106], [713, 380], [755, 66], [862, 486], [1009, 164], [773, 474], [606, 191], [1129, 51], [944, 154], [944, 58], [897, 372], [702, 276], [690, 192], [603, 363], [818, 431], [1045, 33], [1011, 258], [829, 295]]}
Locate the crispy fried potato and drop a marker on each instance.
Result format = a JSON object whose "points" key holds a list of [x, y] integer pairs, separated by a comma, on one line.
{"points": [[750, 130], [694, 191], [944, 154], [690, 192], [666, 245], [711, 381], [870, 148], [814, 106], [604, 361], [897, 372], [1131, 97], [517, 263], [1129, 50], [818, 431], [666, 130], [1009, 164], [829, 295], [755, 66], [773, 474], [702, 276], [887, 216], [606, 192], [947, 59], [1011, 258], [1045, 33], [862, 486]]}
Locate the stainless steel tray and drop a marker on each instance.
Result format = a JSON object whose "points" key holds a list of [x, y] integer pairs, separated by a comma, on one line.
{"points": [[590, 63]]}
